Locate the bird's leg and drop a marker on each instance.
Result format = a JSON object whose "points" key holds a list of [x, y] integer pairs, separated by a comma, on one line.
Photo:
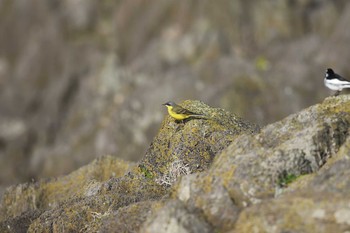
{"points": [[181, 122], [185, 120], [336, 93]]}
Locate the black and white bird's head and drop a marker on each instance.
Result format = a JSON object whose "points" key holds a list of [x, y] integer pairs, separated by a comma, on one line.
{"points": [[329, 73]]}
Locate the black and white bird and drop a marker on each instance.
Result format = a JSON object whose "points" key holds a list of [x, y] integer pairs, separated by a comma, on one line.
{"points": [[335, 82]]}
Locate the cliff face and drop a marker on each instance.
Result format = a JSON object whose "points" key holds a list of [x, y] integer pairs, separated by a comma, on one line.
{"points": [[81, 79], [205, 175]]}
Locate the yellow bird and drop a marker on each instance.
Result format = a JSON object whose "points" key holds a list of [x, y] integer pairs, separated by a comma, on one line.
{"points": [[180, 113]]}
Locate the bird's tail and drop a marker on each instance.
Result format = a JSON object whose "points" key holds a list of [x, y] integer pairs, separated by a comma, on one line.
{"points": [[199, 116]]}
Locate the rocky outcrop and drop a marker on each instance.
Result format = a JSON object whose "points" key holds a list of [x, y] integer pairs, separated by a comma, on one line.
{"points": [[192, 145], [94, 196], [206, 175], [25, 202], [246, 182], [321, 206]]}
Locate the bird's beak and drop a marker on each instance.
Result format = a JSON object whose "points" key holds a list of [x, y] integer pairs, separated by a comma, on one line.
{"points": [[164, 104]]}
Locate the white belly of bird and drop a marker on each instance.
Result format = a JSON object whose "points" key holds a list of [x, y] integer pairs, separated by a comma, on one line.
{"points": [[336, 85]]}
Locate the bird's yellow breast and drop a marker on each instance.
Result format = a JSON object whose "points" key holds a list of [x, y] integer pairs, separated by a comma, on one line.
{"points": [[177, 116]]}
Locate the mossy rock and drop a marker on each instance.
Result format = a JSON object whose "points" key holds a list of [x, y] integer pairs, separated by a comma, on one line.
{"points": [[254, 168], [88, 198], [194, 142], [50, 193]]}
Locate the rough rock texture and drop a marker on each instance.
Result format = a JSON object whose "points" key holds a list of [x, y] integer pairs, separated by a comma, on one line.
{"points": [[292, 176], [25, 202], [97, 195], [244, 190], [50, 193], [192, 144], [80, 79], [175, 217], [323, 207]]}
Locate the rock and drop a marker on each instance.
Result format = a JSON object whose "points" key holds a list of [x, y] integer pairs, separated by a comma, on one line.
{"points": [[129, 218], [91, 198], [321, 207], [193, 145], [292, 175], [205, 175], [257, 168], [175, 218], [50, 193], [19, 223]]}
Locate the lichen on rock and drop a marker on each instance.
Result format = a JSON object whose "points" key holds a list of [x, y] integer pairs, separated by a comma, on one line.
{"points": [[247, 174], [193, 143], [204, 175], [92, 197]]}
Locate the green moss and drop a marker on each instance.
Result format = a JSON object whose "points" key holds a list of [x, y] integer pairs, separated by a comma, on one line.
{"points": [[285, 179], [145, 172]]}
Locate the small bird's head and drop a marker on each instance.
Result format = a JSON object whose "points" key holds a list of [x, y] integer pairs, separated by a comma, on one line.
{"points": [[329, 71], [170, 104]]}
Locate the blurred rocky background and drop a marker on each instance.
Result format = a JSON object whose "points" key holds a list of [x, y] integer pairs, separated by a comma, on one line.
{"points": [[85, 78]]}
